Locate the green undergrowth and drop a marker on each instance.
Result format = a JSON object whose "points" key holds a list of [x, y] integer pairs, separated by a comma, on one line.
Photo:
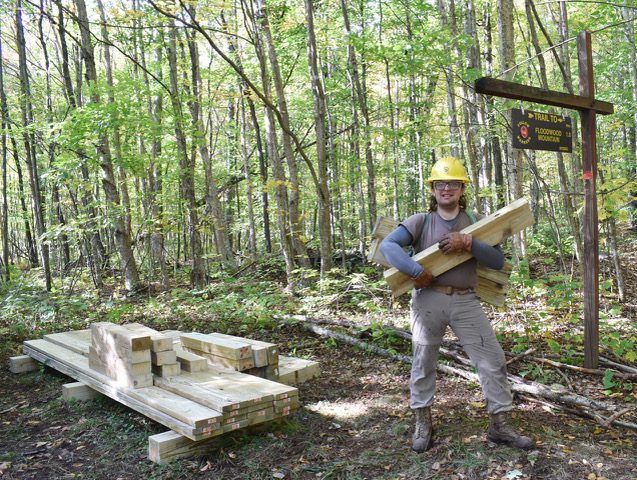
{"points": [[543, 311]]}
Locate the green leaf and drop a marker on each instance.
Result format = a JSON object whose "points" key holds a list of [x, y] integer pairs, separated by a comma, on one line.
{"points": [[607, 381]]}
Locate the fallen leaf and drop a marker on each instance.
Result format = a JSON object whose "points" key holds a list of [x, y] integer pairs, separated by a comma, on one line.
{"points": [[278, 475], [4, 466], [206, 467], [514, 474]]}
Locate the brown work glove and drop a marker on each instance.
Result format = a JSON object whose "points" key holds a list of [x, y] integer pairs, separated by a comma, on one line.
{"points": [[455, 242], [423, 280]]}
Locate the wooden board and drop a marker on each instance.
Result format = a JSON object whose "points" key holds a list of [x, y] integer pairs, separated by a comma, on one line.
{"points": [[167, 446], [484, 290], [383, 227], [22, 364], [121, 371], [205, 395], [271, 372], [492, 230], [216, 346], [79, 341], [215, 360], [188, 411], [170, 445], [240, 384], [76, 366], [72, 341], [264, 353]]}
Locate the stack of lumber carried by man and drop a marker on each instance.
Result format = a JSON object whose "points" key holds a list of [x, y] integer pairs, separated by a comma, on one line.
{"points": [[199, 402], [492, 284]]}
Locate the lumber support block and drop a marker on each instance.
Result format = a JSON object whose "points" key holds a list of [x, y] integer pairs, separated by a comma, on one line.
{"points": [[170, 445], [23, 364], [78, 391], [294, 371]]}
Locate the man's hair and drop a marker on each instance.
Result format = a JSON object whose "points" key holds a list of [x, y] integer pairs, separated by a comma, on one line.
{"points": [[433, 203]]}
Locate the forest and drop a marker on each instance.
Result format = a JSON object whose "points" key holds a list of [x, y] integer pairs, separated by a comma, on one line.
{"points": [[221, 165]]}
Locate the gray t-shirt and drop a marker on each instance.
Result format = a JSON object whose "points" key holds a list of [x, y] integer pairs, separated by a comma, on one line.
{"points": [[461, 276]]}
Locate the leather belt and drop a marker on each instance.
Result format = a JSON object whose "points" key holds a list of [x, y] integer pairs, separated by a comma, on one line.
{"points": [[449, 290]]}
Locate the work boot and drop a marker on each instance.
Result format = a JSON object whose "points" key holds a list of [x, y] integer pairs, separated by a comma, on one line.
{"points": [[500, 431], [423, 438]]}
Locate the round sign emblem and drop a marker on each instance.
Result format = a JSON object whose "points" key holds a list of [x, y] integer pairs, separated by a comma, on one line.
{"points": [[524, 131]]}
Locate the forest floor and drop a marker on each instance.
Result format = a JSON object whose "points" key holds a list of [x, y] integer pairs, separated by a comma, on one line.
{"points": [[354, 423]]}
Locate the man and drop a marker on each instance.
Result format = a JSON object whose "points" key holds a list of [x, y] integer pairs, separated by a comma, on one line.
{"points": [[449, 300]]}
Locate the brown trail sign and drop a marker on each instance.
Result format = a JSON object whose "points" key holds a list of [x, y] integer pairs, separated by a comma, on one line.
{"points": [[588, 108]]}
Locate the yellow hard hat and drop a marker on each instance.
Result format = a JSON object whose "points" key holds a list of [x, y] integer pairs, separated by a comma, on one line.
{"points": [[448, 168]]}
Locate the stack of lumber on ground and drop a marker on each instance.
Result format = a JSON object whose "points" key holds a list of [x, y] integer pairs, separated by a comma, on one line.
{"points": [[196, 405], [492, 230], [240, 354], [279, 368]]}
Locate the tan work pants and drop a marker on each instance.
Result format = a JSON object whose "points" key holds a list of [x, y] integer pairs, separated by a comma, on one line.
{"points": [[431, 313]]}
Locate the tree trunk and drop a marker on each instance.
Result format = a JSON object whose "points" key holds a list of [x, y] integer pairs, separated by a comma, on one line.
{"points": [[122, 235], [186, 165], [513, 156], [320, 107], [65, 252], [154, 108], [470, 103], [117, 142], [92, 241], [263, 171], [278, 172], [360, 96], [569, 210], [565, 184], [4, 113], [213, 200], [448, 20], [29, 146], [294, 195]]}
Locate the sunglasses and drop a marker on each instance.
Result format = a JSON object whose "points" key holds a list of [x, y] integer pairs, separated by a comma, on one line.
{"points": [[448, 185]]}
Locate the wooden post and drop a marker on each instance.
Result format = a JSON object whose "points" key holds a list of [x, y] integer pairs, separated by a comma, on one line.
{"points": [[591, 230]]}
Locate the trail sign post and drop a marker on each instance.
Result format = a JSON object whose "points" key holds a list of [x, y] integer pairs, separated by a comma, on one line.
{"points": [[588, 108]]}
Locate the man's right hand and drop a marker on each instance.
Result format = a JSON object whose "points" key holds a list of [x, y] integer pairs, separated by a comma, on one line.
{"points": [[423, 280]]}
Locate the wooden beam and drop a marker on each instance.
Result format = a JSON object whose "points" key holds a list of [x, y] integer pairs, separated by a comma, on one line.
{"points": [[591, 227], [492, 230], [492, 284], [516, 91], [221, 347]]}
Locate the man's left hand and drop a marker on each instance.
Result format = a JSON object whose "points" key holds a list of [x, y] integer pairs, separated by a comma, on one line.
{"points": [[455, 242]]}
